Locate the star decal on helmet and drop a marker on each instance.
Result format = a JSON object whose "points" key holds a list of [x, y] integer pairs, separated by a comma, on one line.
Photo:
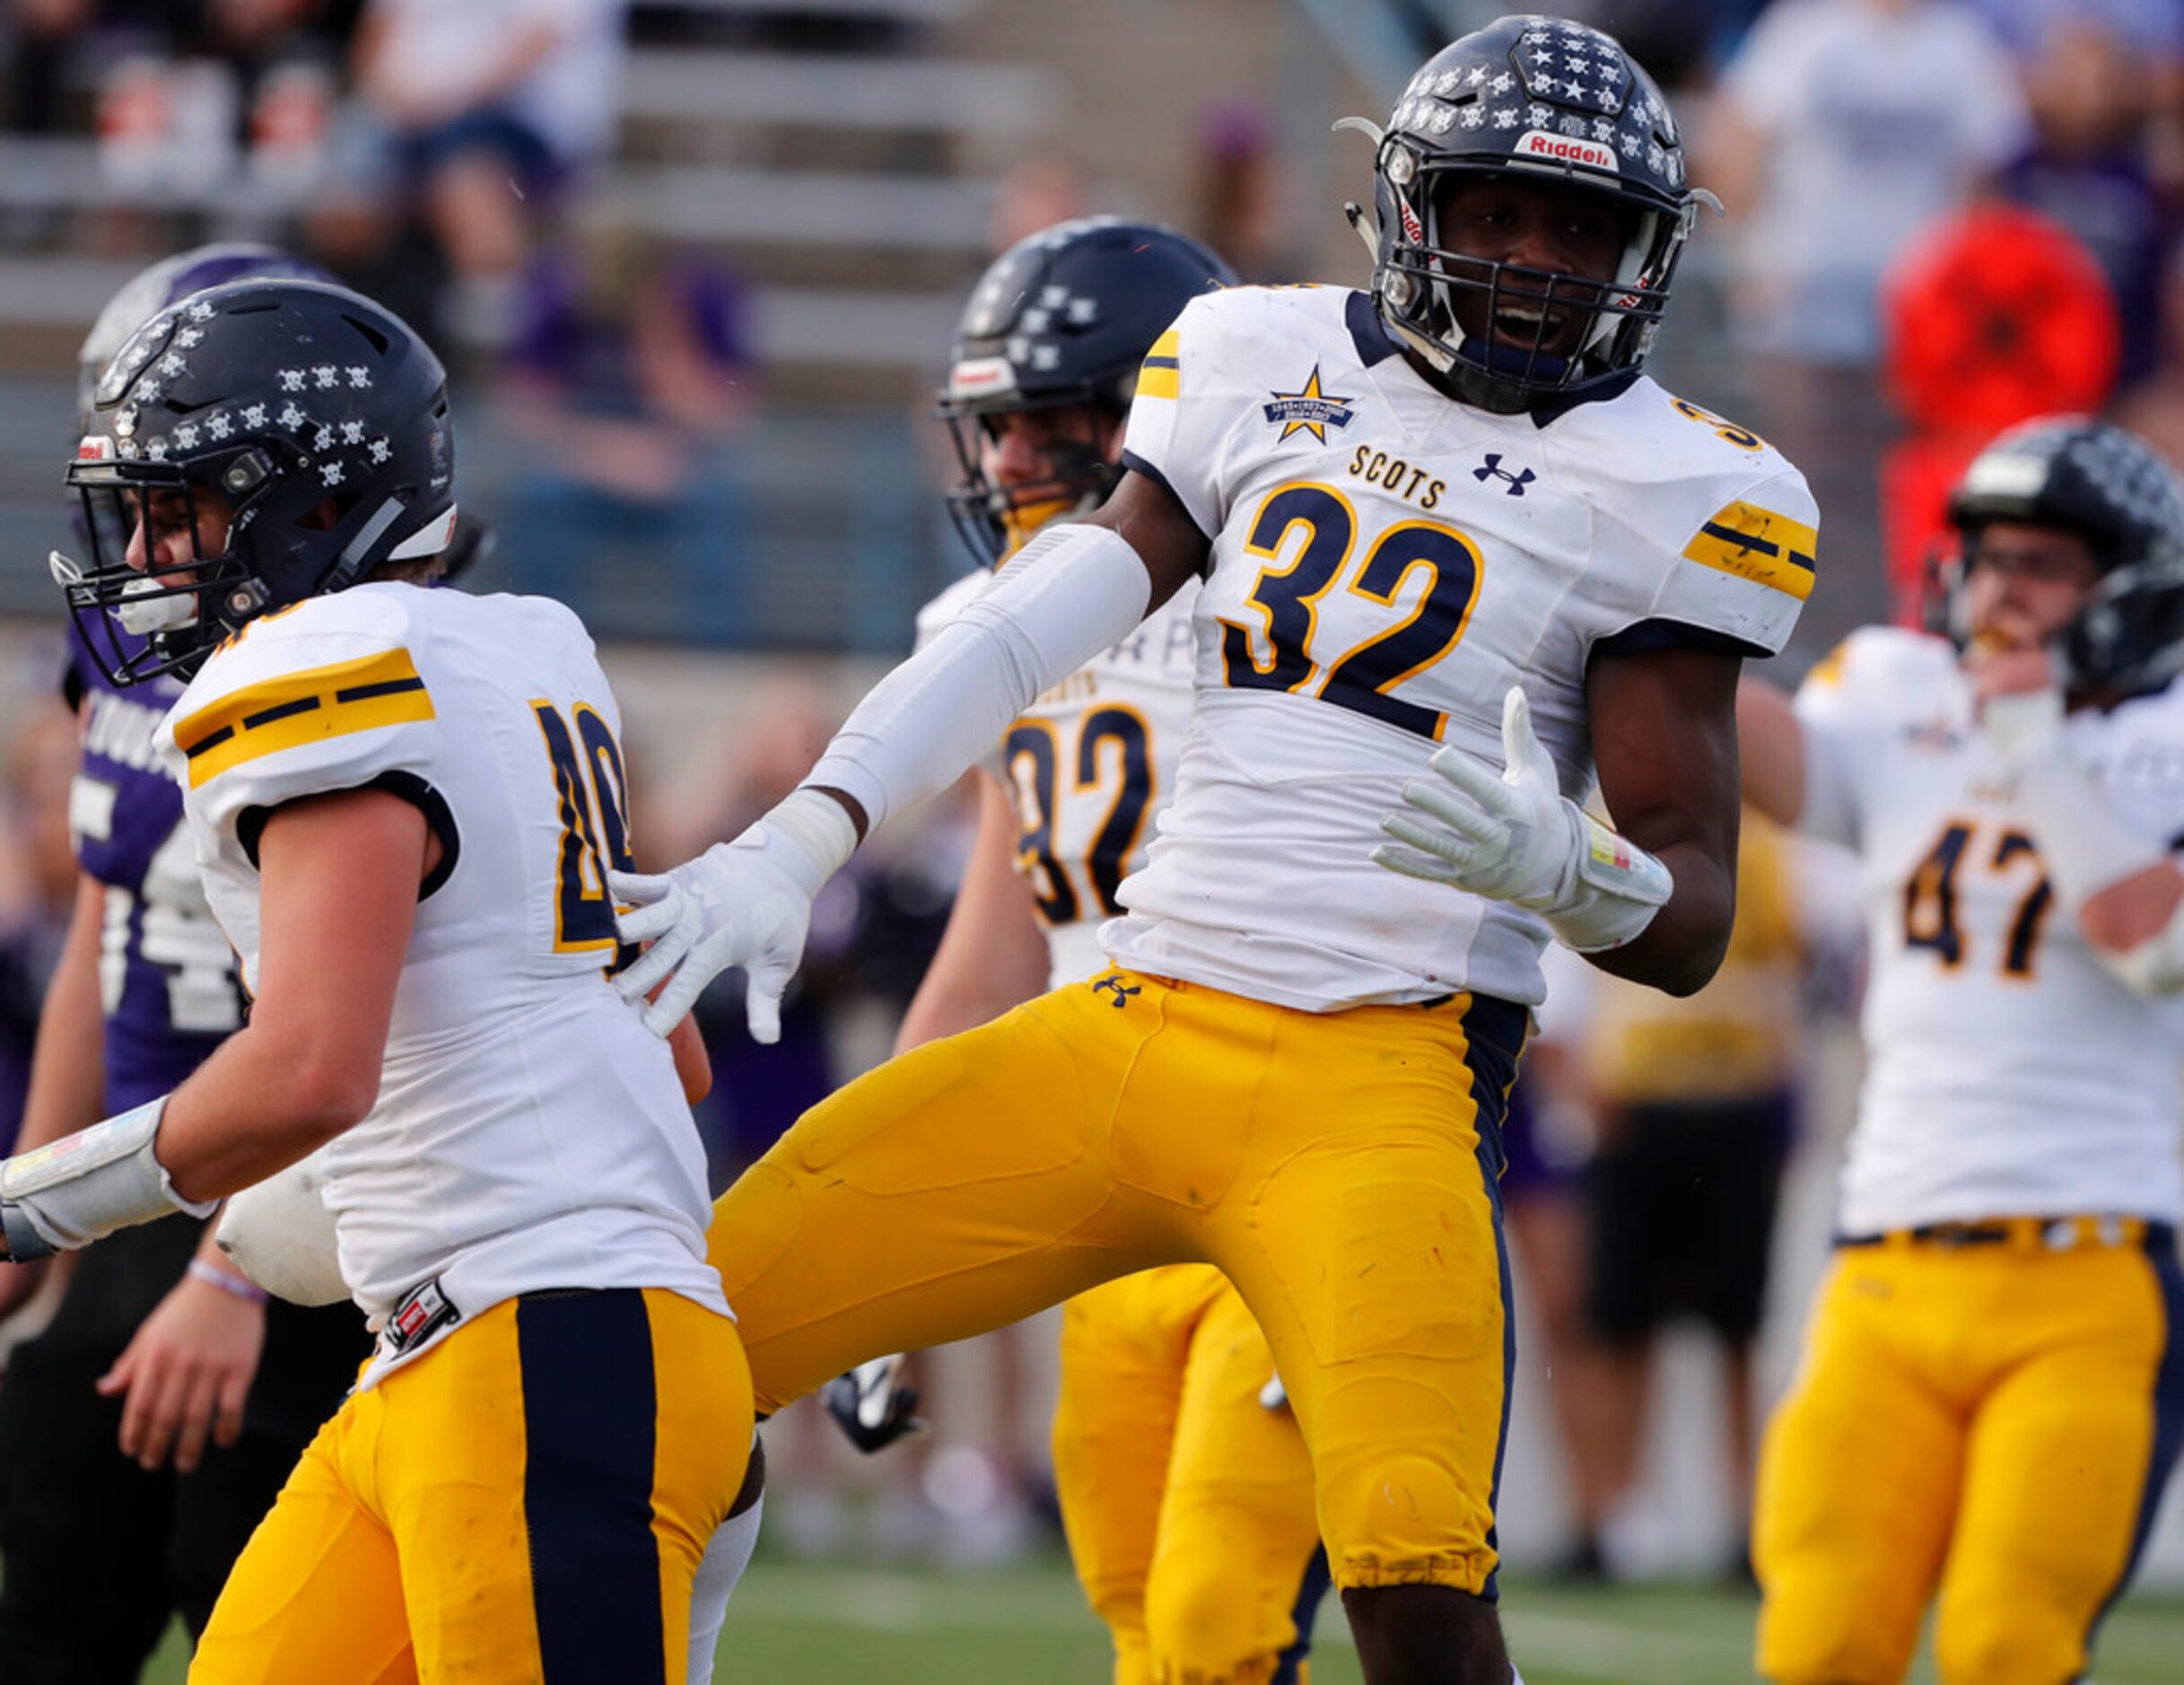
{"points": [[1310, 410]]}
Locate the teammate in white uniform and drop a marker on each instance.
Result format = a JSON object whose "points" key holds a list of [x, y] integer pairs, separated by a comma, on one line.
{"points": [[405, 803], [1186, 1500], [1411, 510], [1993, 1392]]}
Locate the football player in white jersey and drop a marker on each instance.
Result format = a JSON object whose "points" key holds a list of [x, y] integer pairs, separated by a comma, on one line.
{"points": [[405, 803], [1187, 1500], [1423, 518], [1992, 1388]]}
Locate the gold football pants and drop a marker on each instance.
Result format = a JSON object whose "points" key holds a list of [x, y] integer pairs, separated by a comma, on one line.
{"points": [[1994, 1421], [527, 1501], [1330, 1164], [1187, 1502]]}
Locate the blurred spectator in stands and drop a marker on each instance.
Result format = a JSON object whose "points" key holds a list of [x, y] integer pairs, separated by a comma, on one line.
{"points": [[1035, 194], [492, 108], [628, 376], [36, 886], [1238, 207], [39, 36], [1674, 40], [1692, 1102], [284, 62], [2155, 410], [1841, 127], [2151, 31], [2089, 169]]}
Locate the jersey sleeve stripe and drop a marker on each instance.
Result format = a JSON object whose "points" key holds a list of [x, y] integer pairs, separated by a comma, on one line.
{"points": [[293, 709], [1161, 375], [1757, 545]]}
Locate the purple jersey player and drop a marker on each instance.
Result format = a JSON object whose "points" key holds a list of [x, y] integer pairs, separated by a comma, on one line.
{"points": [[167, 985], [146, 1428]]}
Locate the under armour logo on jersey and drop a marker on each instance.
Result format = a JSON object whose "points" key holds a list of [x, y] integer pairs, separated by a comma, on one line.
{"points": [[1122, 991], [1493, 470]]}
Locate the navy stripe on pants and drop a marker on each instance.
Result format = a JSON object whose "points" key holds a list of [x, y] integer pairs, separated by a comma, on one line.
{"points": [[590, 1429]]}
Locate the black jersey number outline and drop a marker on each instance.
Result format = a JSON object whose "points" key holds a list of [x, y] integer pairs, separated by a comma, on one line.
{"points": [[1113, 734], [1286, 600], [1930, 918], [591, 792]]}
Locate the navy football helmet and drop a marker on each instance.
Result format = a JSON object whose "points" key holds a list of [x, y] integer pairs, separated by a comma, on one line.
{"points": [[1527, 99], [299, 421], [2108, 486], [169, 281], [1064, 317]]}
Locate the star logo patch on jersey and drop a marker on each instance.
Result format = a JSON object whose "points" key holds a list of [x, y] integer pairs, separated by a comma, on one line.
{"points": [[1310, 411]]}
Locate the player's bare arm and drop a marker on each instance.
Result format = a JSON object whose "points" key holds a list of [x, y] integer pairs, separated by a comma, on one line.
{"points": [[1148, 517], [2126, 889], [340, 875], [992, 956], [1769, 750], [186, 1374], [1664, 740], [67, 1071]]}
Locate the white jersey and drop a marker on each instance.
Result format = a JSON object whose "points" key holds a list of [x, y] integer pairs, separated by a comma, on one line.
{"points": [[529, 1133], [1386, 565], [1087, 768], [2009, 1074]]}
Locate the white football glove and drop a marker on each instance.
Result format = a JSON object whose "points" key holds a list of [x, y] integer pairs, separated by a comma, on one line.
{"points": [[1514, 836], [745, 902]]}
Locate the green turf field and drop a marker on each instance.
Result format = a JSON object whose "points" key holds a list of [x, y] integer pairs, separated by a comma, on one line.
{"points": [[802, 1624], [831, 1626]]}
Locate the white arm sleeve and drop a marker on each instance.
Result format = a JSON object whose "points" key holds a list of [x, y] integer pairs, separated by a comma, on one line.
{"points": [[1071, 592]]}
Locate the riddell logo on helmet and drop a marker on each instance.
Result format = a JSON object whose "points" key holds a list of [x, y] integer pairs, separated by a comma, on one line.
{"points": [[1564, 149], [974, 376]]}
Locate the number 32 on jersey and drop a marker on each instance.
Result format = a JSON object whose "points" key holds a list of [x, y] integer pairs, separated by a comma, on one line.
{"points": [[1283, 652]]}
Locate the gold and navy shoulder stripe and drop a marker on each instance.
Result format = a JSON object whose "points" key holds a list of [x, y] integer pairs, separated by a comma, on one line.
{"points": [[1829, 669], [1757, 545], [293, 708], [1162, 373]]}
